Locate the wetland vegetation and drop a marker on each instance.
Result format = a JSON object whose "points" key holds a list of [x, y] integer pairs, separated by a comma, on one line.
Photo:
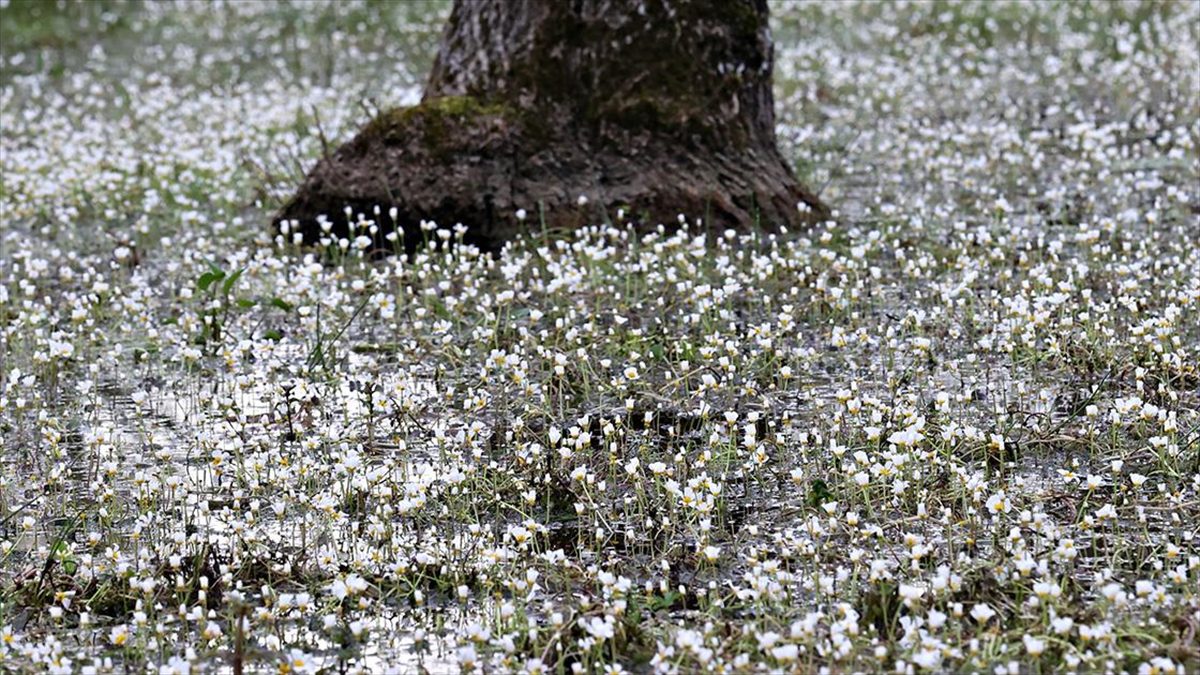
{"points": [[956, 428]]}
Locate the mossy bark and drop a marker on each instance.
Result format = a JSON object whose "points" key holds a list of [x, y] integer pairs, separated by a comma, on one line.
{"points": [[657, 107]]}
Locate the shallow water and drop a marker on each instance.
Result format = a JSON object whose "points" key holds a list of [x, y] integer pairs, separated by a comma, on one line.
{"points": [[1017, 186]]}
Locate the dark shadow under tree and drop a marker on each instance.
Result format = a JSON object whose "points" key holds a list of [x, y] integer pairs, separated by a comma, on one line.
{"points": [[655, 107]]}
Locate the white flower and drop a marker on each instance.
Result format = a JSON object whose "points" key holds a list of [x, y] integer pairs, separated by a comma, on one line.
{"points": [[928, 659], [631, 467], [176, 665], [936, 619], [602, 628], [467, 658], [911, 593], [1046, 590], [299, 662], [785, 653], [61, 349], [998, 503], [907, 438], [981, 612]]}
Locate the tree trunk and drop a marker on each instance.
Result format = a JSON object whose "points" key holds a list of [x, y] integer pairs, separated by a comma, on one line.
{"points": [[653, 108]]}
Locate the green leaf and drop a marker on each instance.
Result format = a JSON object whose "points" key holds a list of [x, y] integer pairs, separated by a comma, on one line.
{"points": [[282, 304], [634, 615], [667, 601], [233, 279], [818, 493], [208, 279], [273, 335], [245, 303]]}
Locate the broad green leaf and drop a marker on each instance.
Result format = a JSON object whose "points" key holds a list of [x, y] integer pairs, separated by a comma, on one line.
{"points": [[233, 279], [208, 279]]}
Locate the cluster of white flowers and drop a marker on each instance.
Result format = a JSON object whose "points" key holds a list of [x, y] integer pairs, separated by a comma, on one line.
{"points": [[954, 430]]}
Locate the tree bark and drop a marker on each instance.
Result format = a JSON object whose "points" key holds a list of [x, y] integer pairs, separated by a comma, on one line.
{"points": [[653, 108]]}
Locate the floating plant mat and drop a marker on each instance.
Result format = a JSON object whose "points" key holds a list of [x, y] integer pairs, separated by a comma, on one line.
{"points": [[955, 430]]}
